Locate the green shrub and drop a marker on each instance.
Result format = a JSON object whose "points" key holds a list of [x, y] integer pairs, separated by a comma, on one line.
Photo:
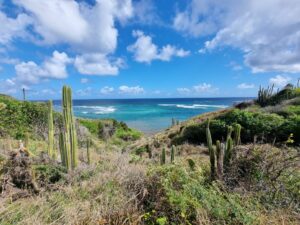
{"points": [[49, 174], [128, 134], [196, 133], [254, 124], [178, 195]]}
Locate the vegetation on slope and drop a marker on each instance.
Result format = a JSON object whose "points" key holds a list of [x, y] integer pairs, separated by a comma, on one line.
{"points": [[163, 179]]}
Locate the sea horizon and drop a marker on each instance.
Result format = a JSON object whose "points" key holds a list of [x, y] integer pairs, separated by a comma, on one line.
{"points": [[149, 115]]}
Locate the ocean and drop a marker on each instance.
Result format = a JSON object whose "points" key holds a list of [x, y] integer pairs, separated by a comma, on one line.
{"points": [[148, 115]]}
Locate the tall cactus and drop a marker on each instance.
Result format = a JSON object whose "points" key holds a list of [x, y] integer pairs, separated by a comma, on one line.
{"points": [[88, 153], [220, 147], [237, 134], [69, 134], [50, 131], [163, 157], [172, 153], [228, 152], [211, 152]]}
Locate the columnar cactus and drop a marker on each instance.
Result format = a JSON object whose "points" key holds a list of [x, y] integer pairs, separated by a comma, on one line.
{"points": [[69, 132], [88, 153], [50, 131], [237, 134], [163, 157], [228, 152], [211, 152], [220, 158], [172, 153]]}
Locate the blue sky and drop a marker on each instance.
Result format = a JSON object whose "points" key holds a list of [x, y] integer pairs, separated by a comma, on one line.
{"points": [[147, 48]]}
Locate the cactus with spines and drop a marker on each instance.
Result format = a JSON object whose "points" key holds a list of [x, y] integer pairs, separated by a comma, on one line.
{"points": [[69, 146], [50, 131], [163, 157], [220, 149], [172, 153], [88, 153], [228, 152], [211, 152], [237, 134]]}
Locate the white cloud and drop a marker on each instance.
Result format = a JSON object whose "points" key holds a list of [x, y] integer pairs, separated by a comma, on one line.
{"points": [[266, 31], [280, 80], [106, 90], [12, 28], [183, 91], [245, 86], [204, 88], [97, 64], [84, 92], [235, 66], [145, 12], [131, 90], [145, 50], [86, 28], [54, 67], [84, 80]]}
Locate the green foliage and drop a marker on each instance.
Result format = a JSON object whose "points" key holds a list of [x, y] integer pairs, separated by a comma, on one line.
{"points": [[91, 125], [49, 174], [254, 123], [264, 95], [196, 133], [128, 134], [267, 97], [182, 197], [26, 117]]}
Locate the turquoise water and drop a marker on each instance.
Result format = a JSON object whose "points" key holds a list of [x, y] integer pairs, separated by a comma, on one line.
{"points": [[148, 115]]}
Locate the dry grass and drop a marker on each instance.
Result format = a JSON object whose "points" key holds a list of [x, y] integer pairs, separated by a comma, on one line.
{"points": [[102, 194]]}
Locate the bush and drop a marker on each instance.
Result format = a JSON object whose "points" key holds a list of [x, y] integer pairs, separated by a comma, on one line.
{"points": [[196, 133], [255, 124], [183, 197]]}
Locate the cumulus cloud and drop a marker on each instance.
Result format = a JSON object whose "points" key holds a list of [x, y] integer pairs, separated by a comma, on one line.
{"points": [[54, 67], [266, 31], [245, 86], [106, 90], [280, 80], [145, 50], [97, 64], [84, 27], [131, 90], [12, 28], [88, 29]]}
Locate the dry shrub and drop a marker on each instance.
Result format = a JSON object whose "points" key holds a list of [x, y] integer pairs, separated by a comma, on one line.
{"points": [[106, 193]]}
